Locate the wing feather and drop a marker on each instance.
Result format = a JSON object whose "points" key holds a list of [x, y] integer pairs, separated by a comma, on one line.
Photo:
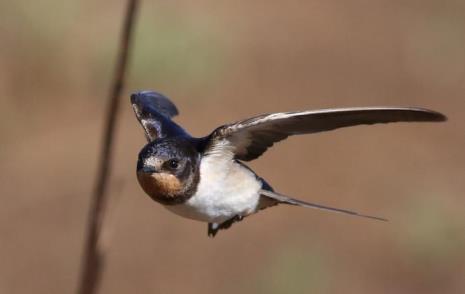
{"points": [[154, 112], [250, 138]]}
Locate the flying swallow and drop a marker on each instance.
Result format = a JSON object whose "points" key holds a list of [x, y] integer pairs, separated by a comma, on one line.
{"points": [[205, 178]]}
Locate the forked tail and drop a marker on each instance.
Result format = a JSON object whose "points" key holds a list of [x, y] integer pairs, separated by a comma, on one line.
{"points": [[285, 199]]}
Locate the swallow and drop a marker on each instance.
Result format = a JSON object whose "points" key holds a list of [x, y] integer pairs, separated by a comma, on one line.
{"points": [[205, 179]]}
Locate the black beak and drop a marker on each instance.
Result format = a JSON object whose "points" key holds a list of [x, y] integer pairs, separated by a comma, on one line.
{"points": [[148, 170]]}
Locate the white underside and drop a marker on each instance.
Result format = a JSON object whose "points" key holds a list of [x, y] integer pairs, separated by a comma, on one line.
{"points": [[225, 189]]}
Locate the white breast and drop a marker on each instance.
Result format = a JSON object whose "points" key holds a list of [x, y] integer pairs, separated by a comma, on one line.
{"points": [[225, 189]]}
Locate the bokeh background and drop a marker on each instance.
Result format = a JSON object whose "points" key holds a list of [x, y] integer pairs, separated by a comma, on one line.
{"points": [[221, 61]]}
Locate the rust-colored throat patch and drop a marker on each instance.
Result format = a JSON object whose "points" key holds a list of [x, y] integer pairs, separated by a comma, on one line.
{"points": [[161, 187]]}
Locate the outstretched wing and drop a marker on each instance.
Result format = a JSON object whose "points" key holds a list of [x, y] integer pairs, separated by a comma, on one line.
{"points": [[154, 112], [250, 138]]}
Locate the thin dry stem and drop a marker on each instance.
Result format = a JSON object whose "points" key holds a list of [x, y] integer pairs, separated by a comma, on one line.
{"points": [[93, 259]]}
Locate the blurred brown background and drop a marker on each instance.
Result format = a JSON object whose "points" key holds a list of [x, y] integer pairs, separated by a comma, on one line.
{"points": [[221, 61]]}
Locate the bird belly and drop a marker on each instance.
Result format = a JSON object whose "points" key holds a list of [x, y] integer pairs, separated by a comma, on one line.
{"points": [[225, 189]]}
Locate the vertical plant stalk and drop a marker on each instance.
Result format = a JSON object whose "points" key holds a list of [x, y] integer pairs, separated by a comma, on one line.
{"points": [[93, 259]]}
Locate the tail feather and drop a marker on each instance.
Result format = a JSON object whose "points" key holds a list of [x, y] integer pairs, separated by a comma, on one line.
{"points": [[285, 199]]}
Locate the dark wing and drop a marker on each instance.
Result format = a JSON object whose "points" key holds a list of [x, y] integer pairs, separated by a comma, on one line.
{"points": [[250, 138], [154, 112]]}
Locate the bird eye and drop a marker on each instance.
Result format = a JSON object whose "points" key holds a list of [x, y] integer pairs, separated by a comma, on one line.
{"points": [[173, 163]]}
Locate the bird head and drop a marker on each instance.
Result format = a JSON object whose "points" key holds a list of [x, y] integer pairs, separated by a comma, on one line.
{"points": [[168, 170]]}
